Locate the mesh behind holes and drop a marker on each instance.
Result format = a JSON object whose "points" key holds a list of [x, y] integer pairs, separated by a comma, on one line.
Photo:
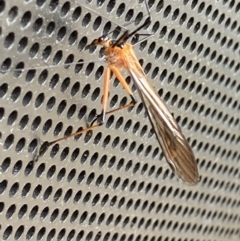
{"points": [[114, 183]]}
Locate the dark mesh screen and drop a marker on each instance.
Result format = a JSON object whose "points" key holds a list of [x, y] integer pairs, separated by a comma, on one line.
{"points": [[114, 183]]}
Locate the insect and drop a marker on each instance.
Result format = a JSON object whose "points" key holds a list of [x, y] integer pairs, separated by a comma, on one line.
{"points": [[120, 55]]}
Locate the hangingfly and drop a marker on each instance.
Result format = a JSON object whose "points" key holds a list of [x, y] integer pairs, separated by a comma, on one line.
{"points": [[120, 55]]}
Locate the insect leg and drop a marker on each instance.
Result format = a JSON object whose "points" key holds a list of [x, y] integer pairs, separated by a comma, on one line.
{"points": [[47, 144], [122, 80], [106, 77]]}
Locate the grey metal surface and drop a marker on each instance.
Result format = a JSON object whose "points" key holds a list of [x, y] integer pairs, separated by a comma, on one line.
{"points": [[114, 184]]}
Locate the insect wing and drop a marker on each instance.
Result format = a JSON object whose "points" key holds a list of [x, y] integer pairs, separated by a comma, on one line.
{"points": [[176, 149]]}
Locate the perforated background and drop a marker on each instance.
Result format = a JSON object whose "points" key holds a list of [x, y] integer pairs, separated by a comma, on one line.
{"points": [[114, 183]]}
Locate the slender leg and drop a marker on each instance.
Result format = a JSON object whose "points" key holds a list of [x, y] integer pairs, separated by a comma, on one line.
{"points": [[47, 144], [123, 82], [106, 82], [126, 35]]}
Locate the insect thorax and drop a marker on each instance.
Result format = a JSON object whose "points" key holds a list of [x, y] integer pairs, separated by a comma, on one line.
{"points": [[115, 56]]}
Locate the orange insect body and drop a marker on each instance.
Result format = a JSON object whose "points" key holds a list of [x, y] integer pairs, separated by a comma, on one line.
{"points": [[174, 145], [116, 56]]}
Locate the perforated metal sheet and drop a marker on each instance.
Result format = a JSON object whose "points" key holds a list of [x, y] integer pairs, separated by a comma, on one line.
{"points": [[114, 183]]}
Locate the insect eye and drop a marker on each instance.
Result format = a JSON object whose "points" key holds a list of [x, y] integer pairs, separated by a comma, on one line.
{"points": [[103, 38]]}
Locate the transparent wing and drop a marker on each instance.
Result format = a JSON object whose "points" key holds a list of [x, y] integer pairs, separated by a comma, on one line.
{"points": [[177, 151]]}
